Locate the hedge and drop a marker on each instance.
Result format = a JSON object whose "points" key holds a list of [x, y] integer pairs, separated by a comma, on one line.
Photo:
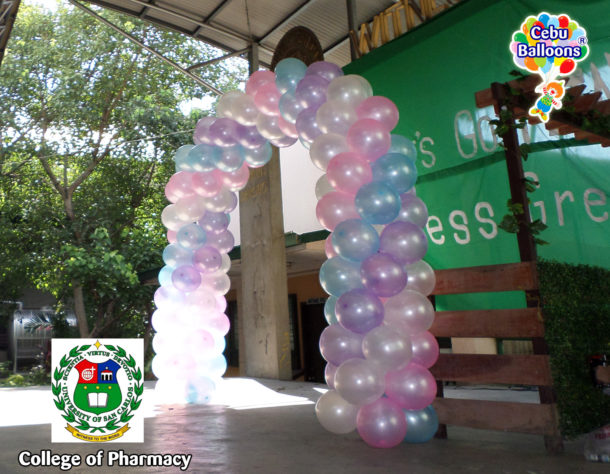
{"points": [[576, 301]]}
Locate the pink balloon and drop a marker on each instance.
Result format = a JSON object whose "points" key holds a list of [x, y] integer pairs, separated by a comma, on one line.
{"points": [[328, 247], [425, 349], [329, 375], [381, 109], [235, 180], [382, 424], [369, 138], [257, 79], [179, 186], [283, 142], [335, 207], [411, 388], [288, 128], [171, 236], [221, 303], [348, 171], [206, 184], [267, 99]]}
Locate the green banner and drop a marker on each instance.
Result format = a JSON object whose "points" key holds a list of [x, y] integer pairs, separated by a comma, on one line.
{"points": [[432, 74]]}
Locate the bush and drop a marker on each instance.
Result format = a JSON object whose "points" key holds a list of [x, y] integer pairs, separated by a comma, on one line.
{"points": [[15, 380], [576, 301]]}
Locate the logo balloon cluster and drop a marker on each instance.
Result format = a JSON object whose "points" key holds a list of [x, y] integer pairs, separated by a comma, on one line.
{"points": [[549, 45]]}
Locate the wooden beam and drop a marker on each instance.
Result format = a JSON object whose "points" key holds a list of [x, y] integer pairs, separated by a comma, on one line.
{"points": [[501, 416], [502, 369], [499, 323], [506, 277]]}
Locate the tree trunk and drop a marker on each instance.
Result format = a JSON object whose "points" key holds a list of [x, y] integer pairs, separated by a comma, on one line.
{"points": [[79, 309]]}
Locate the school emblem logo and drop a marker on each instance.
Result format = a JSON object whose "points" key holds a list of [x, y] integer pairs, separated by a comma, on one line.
{"points": [[97, 389]]}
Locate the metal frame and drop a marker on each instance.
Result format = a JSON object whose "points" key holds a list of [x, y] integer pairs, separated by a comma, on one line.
{"points": [[8, 12], [133, 39]]}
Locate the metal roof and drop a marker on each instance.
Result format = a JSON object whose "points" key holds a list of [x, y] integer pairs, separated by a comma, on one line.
{"points": [[233, 25]]}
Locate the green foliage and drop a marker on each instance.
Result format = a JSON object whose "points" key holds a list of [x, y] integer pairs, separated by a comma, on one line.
{"points": [[15, 380], [576, 302], [5, 369], [88, 127]]}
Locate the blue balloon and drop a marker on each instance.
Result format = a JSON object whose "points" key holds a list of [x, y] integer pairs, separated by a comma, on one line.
{"points": [[377, 203], [175, 256], [395, 169], [288, 73], [191, 236], [547, 67], [403, 145], [257, 157], [204, 157], [338, 275], [544, 19], [554, 22], [165, 276], [181, 158], [290, 107], [231, 158], [329, 310], [421, 424], [355, 239]]}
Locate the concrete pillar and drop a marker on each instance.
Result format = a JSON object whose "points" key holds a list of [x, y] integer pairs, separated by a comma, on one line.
{"points": [[263, 313]]}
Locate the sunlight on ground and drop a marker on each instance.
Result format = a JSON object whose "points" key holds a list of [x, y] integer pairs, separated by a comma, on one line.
{"points": [[247, 394], [34, 405]]}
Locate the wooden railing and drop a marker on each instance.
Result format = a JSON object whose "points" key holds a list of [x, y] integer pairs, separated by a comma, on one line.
{"points": [[531, 369]]}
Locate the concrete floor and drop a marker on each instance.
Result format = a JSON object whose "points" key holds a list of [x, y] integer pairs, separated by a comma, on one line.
{"points": [[269, 426]]}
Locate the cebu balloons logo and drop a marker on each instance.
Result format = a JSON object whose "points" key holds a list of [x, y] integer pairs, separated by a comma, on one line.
{"points": [[549, 45]]}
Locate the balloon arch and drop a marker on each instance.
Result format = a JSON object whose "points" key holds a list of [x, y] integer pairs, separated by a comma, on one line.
{"points": [[377, 344]]}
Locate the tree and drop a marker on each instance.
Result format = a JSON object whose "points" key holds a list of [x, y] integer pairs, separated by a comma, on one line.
{"points": [[81, 181]]}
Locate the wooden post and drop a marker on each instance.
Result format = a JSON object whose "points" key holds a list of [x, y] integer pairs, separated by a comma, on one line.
{"points": [[525, 239]]}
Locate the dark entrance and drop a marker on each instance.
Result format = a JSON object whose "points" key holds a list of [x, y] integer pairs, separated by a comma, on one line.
{"points": [[313, 322]]}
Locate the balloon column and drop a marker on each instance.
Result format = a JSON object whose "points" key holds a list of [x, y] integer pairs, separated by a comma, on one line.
{"points": [[377, 345]]}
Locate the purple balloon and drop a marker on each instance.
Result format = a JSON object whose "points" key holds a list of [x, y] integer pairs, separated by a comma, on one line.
{"points": [[311, 91], [214, 222], [411, 388], [222, 241], [381, 424], [359, 310], [248, 137], [224, 132], [337, 344], [383, 275], [306, 125], [404, 241], [207, 259], [186, 278], [412, 209], [324, 69], [202, 131]]}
